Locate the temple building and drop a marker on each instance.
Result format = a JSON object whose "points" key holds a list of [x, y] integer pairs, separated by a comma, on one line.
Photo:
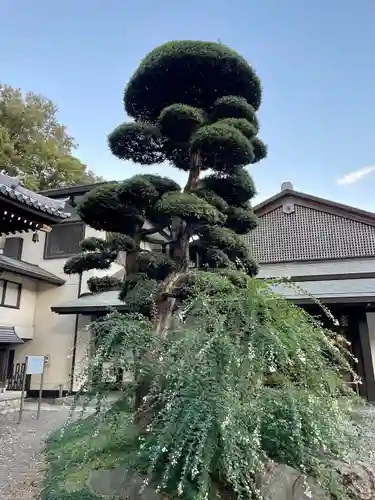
{"points": [[21, 212], [324, 248]]}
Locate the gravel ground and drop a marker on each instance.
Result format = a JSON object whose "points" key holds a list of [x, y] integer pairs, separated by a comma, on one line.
{"points": [[21, 446], [21, 449]]}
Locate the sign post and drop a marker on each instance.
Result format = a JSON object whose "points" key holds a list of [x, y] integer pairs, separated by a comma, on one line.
{"points": [[34, 365], [23, 391], [40, 392]]}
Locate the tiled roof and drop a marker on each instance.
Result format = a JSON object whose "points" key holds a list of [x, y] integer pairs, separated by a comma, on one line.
{"points": [[307, 233], [11, 188], [8, 335], [30, 270]]}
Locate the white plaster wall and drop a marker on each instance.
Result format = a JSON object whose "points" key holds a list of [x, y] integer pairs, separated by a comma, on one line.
{"points": [[329, 289], [23, 318], [83, 342], [342, 266], [54, 333]]}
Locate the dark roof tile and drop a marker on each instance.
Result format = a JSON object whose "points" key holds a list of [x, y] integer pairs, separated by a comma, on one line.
{"points": [[8, 335], [11, 188], [29, 270]]}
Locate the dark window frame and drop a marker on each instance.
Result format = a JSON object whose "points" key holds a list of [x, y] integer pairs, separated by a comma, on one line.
{"points": [[46, 253], [4, 291], [19, 249]]}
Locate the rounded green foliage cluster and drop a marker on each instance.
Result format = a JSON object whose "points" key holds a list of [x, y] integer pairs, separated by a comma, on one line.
{"points": [[260, 150], [97, 284], [101, 209], [137, 191], [131, 281], [123, 207], [190, 208], [196, 282], [212, 198], [89, 260], [191, 97], [224, 239], [114, 241], [221, 146], [227, 241], [139, 141], [120, 242], [231, 106], [162, 184], [179, 121], [236, 187], [241, 221], [247, 129], [209, 257], [141, 298], [155, 265], [188, 72], [93, 243]]}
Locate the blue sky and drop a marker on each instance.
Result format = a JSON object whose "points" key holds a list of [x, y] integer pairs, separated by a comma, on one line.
{"points": [[315, 59]]}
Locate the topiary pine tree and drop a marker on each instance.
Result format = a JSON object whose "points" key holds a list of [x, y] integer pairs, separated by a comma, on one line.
{"points": [[193, 105], [241, 377]]}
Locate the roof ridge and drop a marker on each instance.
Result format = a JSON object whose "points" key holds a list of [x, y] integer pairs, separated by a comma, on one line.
{"points": [[314, 200], [12, 188]]}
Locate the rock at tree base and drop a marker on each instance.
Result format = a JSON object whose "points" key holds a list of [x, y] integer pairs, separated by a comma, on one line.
{"points": [[280, 482], [121, 483], [359, 479]]}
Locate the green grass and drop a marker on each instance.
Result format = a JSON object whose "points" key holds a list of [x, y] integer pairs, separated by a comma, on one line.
{"points": [[85, 446]]}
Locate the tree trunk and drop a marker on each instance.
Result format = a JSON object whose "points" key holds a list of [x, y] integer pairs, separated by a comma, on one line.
{"points": [[181, 233]]}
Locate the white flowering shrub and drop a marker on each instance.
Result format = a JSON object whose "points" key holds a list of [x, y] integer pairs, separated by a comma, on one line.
{"points": [[244, 378]]}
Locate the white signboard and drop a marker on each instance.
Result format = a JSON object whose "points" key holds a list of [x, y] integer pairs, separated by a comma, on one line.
{"points": [[35, 365]]}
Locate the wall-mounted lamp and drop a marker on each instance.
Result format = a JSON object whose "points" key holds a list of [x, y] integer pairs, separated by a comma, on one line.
{"points": [[35, 237]]}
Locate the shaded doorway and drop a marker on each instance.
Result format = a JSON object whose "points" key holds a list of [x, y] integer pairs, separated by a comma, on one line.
{"points": [[4, 356], [348, 318]]}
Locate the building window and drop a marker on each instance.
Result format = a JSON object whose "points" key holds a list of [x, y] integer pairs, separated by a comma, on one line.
{"points": [[10, 294], [13, 248], [63, 241]]}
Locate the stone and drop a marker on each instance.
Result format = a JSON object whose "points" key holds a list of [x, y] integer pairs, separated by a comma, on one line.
{"points": [[121, 483], [359, 479], [281, 482]]}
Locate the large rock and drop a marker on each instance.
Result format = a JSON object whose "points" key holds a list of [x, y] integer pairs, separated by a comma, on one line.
{"points": [[359, 479], [121, 483], [279, 482]]}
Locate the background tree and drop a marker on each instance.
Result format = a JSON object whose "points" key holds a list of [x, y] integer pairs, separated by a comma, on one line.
{"points": [[34, 145], [228, 375]]}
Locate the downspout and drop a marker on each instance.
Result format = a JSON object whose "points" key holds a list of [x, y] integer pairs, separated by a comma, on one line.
{"points": [[74, 353]]}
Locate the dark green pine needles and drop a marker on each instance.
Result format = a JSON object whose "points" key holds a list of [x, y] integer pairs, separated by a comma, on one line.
{"points": [[194, 106]]}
